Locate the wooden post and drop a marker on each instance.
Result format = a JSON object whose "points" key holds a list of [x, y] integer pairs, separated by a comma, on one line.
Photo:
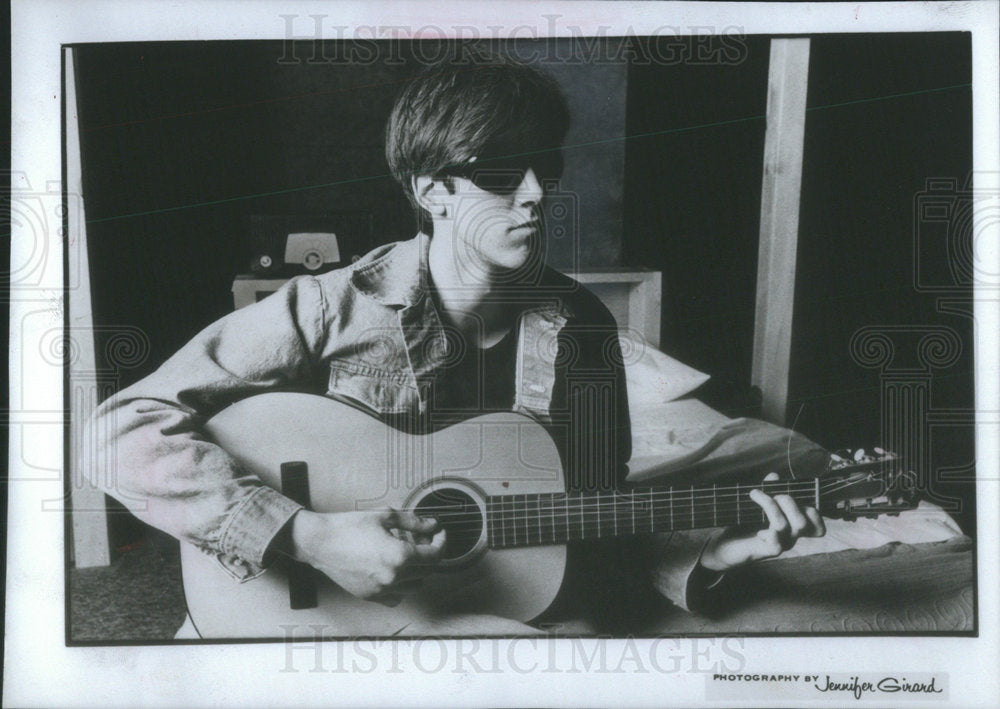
{"points": [[90, 518], [787, 83]]}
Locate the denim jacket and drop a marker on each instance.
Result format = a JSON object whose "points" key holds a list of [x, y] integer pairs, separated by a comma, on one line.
{"points": [[369, 333]]}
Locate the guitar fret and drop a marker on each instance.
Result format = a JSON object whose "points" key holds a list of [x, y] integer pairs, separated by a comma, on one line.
{"points": [[552, 512], [503, 521], [614, 511], [527, 521], [598, 514], [523, 515], [739, 503], [583, 531], [513, 519], [566, 514], [538, 517], [538, 502], [506, 520], [528, 517], [715, 508], [632, 502], [670, 499], [651, 524], [693, 524]]}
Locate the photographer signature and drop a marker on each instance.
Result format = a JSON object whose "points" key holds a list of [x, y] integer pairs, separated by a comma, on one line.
{"points": [[886, 685]]}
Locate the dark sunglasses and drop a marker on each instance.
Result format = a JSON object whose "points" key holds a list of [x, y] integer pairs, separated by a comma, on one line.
{"points": [[504, 175]]}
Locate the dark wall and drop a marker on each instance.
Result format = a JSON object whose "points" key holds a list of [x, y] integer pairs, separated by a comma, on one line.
{"points": [[692, 185], [885, 114], [874, 135], [175, 145]]}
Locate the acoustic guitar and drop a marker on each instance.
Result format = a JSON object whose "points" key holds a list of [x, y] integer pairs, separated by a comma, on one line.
{"points": [[495, 483]]}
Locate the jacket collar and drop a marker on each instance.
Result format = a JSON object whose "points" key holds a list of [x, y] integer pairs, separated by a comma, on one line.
{"points": [[397, 275]]}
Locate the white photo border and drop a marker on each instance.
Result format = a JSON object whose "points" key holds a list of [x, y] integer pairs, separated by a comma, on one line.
{"points": [[40, 670]]}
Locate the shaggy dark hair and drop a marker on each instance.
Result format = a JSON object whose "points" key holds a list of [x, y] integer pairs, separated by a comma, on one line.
{"points": [[485, 106]]}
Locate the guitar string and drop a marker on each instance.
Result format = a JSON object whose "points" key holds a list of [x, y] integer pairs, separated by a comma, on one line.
{"points": [[514, 512], [591, 526], [708, 494], [589, 518], [544, 514], [577, 528], [623, 500], [584, 511]]}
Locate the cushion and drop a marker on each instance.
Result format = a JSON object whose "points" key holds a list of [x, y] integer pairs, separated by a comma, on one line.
{"points": [[654, 377]]}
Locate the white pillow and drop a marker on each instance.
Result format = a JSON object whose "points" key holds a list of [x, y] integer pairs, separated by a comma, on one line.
{"points": [[654, 377]]}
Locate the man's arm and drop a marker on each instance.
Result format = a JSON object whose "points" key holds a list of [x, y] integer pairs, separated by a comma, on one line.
{"points": [[147, 448], [145, 444]]}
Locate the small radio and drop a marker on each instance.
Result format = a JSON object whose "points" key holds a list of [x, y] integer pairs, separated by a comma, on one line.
{"points": [[285, 245]]}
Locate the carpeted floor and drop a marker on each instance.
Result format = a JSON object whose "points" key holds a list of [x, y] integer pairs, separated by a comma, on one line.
{"points": [[138, 597]]}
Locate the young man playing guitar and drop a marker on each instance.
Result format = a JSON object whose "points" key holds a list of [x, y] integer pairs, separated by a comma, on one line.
{"points": [[463, 319]]}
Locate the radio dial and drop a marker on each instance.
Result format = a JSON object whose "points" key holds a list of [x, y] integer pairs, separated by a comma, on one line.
{"points": [[312, 260]]}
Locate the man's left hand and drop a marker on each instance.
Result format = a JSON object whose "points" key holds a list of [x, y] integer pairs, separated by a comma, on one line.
{"points": [[787, 522]]}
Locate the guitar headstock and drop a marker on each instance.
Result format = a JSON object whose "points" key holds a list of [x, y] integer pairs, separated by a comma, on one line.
{"points": [[867, 484]]}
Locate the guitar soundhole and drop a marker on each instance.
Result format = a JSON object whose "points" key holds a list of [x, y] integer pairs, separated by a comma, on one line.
{"points": [[459, 514]]}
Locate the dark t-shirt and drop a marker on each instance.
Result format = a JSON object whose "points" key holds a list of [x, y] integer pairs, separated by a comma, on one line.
{"points": [[478, 381]]}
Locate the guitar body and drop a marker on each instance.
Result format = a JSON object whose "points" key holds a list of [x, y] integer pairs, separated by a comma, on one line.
{"points": [[356, 463]]}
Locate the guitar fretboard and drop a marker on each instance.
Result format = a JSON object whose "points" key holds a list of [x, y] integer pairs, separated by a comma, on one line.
{"points": [[556, 518]]}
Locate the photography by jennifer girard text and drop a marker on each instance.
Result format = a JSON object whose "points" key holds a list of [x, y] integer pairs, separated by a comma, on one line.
{"points": [[837, 687]]}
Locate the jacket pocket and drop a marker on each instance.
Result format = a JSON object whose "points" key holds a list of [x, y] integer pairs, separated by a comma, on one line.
{"points": [[384, 392]]}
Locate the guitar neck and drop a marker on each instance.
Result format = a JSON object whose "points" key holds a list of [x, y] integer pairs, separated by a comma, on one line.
{"points": [[532, 520]]}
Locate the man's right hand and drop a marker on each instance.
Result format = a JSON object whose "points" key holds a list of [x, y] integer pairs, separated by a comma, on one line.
{"points": [[361, 554]]}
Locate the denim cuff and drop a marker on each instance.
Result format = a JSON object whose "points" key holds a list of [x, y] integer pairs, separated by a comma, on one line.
{"points": [[251, 528], [676, 570]]}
